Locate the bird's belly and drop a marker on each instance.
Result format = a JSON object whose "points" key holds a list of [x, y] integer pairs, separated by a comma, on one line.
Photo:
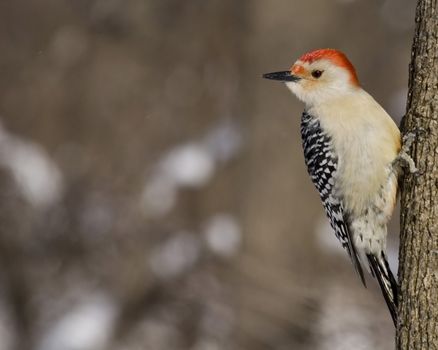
{"points": [[362, 180]]}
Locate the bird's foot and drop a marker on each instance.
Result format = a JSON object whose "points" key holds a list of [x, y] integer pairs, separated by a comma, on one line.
{"points": [[404, 160]]}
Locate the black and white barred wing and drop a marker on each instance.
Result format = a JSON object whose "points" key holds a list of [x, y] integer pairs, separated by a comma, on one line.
{"points": [[322, 164]]}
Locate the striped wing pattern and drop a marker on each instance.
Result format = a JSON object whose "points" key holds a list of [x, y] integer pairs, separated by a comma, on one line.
{"points": [[322, 164]]}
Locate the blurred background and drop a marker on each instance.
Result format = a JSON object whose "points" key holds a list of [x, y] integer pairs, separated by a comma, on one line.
{"points": [[152, 187]]}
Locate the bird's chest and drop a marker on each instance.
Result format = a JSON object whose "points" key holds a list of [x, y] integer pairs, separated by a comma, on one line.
{"points": [[341, 163], [360, 175]]}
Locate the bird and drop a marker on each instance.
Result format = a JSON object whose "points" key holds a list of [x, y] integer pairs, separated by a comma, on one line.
{"points": [[354, 156]]}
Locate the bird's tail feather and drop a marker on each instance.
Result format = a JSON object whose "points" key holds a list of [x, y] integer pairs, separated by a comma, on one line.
{"points": [[380, 269]]}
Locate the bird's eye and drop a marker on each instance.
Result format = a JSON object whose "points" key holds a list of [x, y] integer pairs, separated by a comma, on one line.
{"points": [[316, 73]]}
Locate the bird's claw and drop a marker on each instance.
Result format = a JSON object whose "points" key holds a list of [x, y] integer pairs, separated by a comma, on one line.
{"points": [[403, 158], [407, 140], [407, 162], [410, 137]]}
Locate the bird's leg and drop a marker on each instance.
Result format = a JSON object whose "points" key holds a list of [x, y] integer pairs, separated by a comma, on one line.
{"points": [[403, 159], [406, 159]]}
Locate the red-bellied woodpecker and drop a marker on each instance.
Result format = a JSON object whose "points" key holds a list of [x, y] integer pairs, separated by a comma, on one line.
{"points": [[352, 150]]}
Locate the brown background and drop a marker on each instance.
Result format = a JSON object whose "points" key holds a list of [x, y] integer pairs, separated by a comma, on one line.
{"points": [[152, 187]]}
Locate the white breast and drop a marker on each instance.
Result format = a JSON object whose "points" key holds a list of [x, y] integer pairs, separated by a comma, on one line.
{"points": [[366, 141]]}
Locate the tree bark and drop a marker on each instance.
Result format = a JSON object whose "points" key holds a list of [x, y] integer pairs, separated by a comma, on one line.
{"points": [[418, 269]]}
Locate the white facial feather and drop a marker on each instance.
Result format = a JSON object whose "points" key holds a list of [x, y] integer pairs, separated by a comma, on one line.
{"points": [[334, 82]]}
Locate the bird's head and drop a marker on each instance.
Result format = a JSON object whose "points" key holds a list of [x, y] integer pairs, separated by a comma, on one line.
{"points": [[318, 76]]}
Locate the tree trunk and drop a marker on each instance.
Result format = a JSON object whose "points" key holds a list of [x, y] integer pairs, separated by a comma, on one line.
{"points": [[418, 270]]}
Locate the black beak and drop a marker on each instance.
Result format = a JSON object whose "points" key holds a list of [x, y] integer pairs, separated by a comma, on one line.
{"points": [[282, 76]]}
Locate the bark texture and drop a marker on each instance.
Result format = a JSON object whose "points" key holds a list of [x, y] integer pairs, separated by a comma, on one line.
{"points": [[418, 271]]}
